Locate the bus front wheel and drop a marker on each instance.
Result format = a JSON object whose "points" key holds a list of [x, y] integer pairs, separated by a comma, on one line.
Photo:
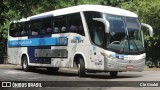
{"points": [[25, 65], [81, 68], [113, 74]]}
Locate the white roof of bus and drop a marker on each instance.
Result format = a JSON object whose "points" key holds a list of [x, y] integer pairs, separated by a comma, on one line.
{"points": [[98, 8]]}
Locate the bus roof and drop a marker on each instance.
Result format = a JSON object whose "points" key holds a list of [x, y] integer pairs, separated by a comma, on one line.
{"points": [[79, 8]]}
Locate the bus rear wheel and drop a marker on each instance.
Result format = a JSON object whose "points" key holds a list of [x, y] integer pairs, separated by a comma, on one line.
{"points": [[81, 68], [25, 65], [113, 74], [158, 64]]}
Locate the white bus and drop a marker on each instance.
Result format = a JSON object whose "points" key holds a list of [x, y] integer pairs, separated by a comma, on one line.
{"points": [[89, 38]]}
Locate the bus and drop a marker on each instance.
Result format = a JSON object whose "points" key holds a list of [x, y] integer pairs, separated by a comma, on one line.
{"points": [[88, 38]]}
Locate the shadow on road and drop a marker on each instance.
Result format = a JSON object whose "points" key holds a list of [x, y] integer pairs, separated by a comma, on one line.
{"points": [[88, 75]]}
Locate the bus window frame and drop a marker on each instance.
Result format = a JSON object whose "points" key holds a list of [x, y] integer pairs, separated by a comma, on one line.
{"points": [[67, 17]]}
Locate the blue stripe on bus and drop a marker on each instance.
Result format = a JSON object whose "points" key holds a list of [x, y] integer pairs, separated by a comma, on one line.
{"points": [[39, 42]]}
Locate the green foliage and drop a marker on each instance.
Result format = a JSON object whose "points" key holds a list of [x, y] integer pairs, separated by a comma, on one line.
{"points": [[3, 17], [147, 10], [113, 3]]}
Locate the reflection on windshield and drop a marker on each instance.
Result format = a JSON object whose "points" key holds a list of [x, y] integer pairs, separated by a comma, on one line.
{"points": [[125, 34]]}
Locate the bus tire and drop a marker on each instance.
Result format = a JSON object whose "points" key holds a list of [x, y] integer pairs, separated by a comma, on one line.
{"points": [[52, 69], [25, 65], [113, 74], [81, 67], [149, 64], [158, 64]]}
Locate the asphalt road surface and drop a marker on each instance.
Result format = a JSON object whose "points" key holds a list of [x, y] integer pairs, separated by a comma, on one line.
{"points": [[69, 76]]}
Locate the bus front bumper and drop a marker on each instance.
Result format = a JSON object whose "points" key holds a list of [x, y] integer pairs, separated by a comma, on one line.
{"points": [[124, 65]]}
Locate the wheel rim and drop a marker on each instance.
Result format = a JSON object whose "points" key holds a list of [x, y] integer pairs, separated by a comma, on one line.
{"points": [[24, 64], [79, 66], [158, 64]]}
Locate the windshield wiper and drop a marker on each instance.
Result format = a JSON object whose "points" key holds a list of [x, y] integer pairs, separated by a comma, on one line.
{"points": [[135, 44], [124, 44]]}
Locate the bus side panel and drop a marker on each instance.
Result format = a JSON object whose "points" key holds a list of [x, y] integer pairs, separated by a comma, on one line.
{"points": [[96, 59], [77, 44], [61, 58], [31, 50], [13, 55], [15, 50]]}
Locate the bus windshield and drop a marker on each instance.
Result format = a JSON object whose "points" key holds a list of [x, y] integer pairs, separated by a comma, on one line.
{"points": [[125, 34]]}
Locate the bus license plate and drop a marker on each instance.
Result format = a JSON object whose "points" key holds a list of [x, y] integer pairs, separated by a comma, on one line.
{"points": [[130, 67]]}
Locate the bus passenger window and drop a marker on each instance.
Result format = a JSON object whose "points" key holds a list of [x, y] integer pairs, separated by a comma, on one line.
{"points": [[35, 27], [49, 30], [23, 32], [46, 26], [56, 30], [18, 29], [34, 33], [98, 35], [12, 30], [73, 28], [43, 31], [75, 23], [25, 29], [29, 32], [63, 29], [60, 24]]}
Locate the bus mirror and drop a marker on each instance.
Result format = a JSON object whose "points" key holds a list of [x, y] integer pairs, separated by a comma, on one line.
{"points": [[149, 27], [106, 23]]}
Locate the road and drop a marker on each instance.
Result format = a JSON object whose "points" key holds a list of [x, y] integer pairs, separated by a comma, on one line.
{"points": [[14, 73]]}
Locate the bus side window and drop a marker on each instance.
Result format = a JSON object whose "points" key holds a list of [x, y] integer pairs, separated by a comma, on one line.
{"points": [[43, 31], [99, 33], [18, 29], [56, 30], [34, 32], [23, 29], [23, 33], [16, 34], [29, 32], [12, 30], [75, 23], [35, 27], [49, 30], [63, 29], [46, 26], [60, 24], [73, 28], [96, 29]]}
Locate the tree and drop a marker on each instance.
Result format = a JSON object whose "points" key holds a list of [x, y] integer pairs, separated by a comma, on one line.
{"points": [[76, 2], [114, 3]]}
